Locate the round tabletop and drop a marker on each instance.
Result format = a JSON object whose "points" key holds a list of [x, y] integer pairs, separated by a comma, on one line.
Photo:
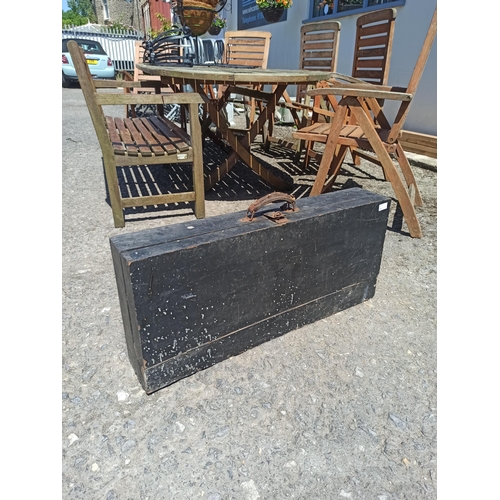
{"points": [[226, 74]]}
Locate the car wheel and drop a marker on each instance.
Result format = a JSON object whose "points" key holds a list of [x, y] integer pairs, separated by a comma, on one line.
{"points": [[65, 82]]}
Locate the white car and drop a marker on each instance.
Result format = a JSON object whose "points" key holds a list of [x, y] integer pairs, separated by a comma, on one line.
{"points": [[100, 64]]}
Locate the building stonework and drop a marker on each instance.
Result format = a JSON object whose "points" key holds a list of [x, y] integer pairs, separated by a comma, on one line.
{"points": [[126, 12]]}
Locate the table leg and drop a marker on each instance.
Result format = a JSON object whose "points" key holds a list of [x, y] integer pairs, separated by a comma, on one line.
{"points": [[278, 91], [266, 114], [241, 148]]}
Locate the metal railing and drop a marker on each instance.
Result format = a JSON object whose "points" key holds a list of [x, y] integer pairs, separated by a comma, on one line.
{"points": [[118, 44]]}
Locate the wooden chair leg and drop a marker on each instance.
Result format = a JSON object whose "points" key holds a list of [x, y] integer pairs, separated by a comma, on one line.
{"points": [[303, 145], [310, 153], [270, 130], [299, 147], [355, 158], [391, 173], [335, 166], [402, 194], [330, 150], [252, 110], [408, 175]]}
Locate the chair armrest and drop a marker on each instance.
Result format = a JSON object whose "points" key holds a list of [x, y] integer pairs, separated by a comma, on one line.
{"points": [[351, 82], [119, 84], [112, 98], [358, 91]]}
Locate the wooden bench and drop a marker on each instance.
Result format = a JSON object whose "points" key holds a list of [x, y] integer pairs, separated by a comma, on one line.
{"points": [[142, 141]]}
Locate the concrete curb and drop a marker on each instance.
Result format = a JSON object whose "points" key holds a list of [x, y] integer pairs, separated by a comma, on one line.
{"points": [[422, 161]]}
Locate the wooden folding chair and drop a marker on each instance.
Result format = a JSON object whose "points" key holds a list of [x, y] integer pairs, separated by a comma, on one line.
{"points": [[246, 48], [139, 76], [371, 135], [373, 46], [319, 44], [150, 140], [371, 61]]}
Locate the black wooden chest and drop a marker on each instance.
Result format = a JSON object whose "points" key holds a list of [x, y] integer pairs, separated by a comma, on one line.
{"points": [[196, 293]]}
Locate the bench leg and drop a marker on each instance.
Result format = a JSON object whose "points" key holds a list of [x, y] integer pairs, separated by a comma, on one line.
{"points": [[114, 192], [198, 177]]}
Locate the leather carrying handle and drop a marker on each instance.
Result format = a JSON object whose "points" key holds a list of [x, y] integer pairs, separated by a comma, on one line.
{"points": [[271, 198]]}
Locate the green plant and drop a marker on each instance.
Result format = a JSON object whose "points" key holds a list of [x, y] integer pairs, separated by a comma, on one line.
{"points": [[274, 4], [219, 22], [80, 12], [117, 25], [166, 24], [70, 18], [84, 8]]}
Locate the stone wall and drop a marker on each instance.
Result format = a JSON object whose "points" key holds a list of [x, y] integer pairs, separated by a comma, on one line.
{"points": [[122, 11]]}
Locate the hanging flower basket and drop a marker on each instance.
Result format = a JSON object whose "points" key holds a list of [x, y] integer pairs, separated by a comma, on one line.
{"points": [[198, 15], [217, 24], [214, 30], [272, 14]]}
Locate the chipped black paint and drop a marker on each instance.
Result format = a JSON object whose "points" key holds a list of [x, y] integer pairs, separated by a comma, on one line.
{"points": [[192, 298]]}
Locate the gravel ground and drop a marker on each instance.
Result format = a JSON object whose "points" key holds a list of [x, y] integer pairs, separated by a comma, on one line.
{"points": [[345, 408]]}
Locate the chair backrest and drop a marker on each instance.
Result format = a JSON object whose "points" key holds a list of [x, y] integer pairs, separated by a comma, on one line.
{"points": [[319, 44], [208, 50], [373, 46], [418, 70], [139, 58], [89, 91], [423, 56], [247, 48], [219, 50]]}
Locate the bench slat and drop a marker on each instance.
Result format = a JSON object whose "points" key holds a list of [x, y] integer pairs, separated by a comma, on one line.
{"points": [[178, 141], [139, 140], [165, 142], [116, 141], [155, 143], [126, 137]]}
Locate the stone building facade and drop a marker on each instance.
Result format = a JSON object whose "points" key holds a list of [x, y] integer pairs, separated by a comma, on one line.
{"points": [[126, 12]]}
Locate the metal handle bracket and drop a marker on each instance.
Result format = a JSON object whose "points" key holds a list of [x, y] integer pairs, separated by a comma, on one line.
{"points": [[278, 217]]}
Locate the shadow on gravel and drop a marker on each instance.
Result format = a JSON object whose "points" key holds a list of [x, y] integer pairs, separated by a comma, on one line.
{"points": [[241, 183]]}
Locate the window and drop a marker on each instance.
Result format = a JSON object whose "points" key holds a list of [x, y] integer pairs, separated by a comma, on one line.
{"points": [[339, 8], [105, 9], [146, 16]]}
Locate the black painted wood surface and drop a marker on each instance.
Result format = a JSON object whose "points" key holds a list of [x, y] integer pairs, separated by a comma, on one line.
{"points": [[196, 293]]}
